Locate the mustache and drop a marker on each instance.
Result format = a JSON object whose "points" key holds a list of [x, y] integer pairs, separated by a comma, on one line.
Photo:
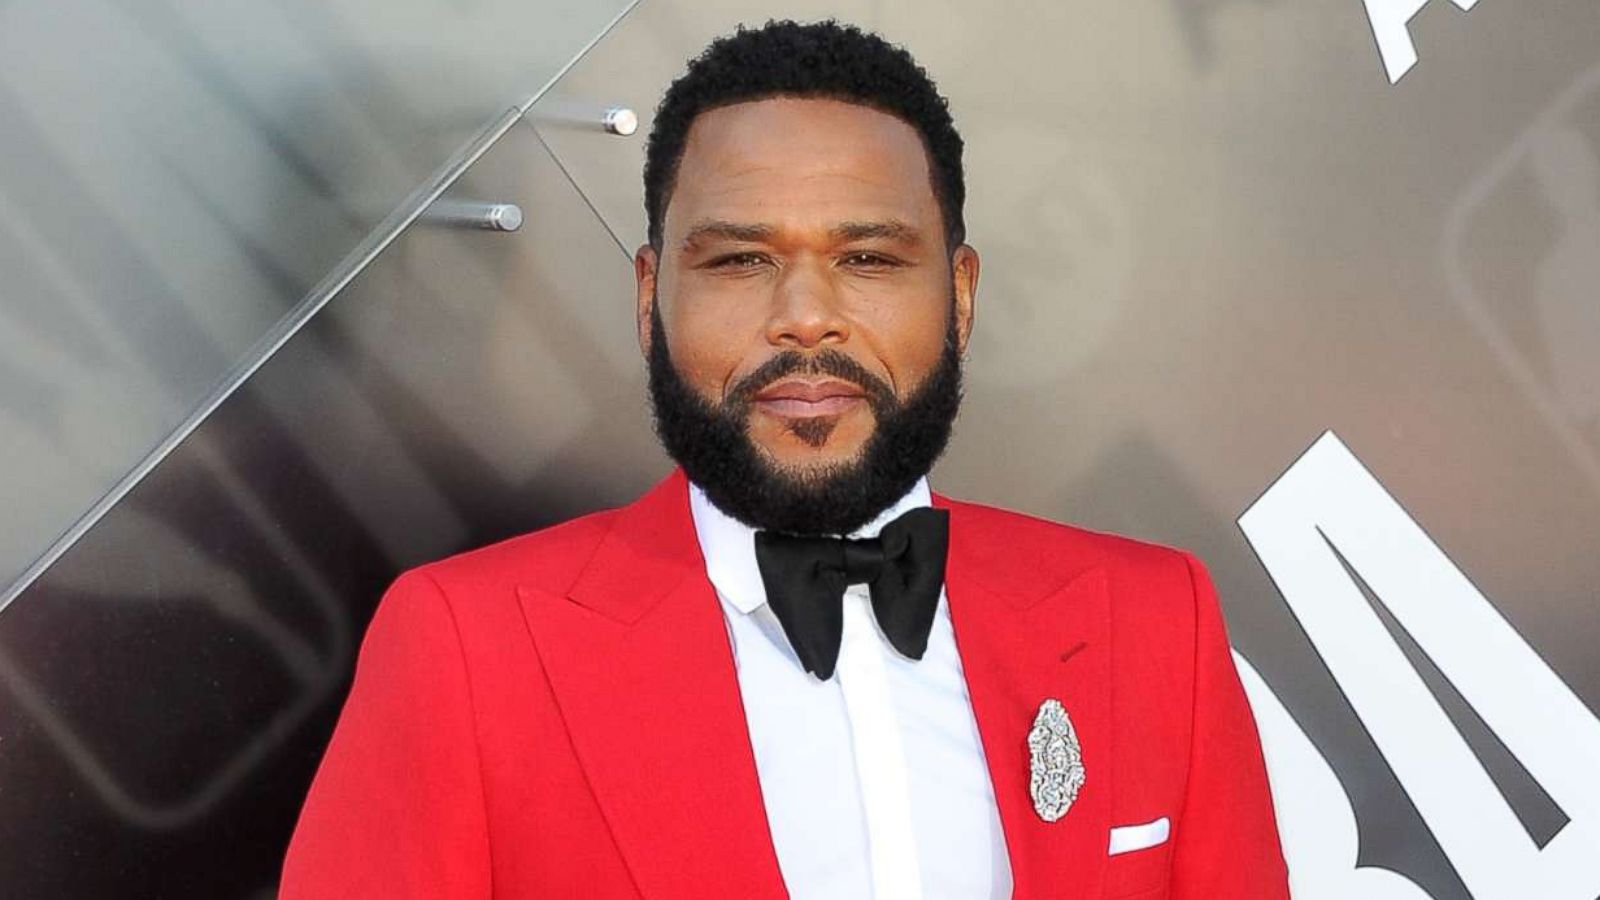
{"points": [[829, 362]]}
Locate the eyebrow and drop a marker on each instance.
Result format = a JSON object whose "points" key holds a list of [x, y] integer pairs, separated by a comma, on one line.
{"points": [[731, 231], [756, 232], [888, 229]]}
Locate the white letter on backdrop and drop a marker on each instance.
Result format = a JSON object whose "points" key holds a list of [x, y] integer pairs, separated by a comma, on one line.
{"points": [[1328, 500], [1389, 19]]}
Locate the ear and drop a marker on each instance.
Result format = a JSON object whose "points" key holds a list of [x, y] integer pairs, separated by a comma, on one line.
{"points": [[964, 285], [644, 277]]}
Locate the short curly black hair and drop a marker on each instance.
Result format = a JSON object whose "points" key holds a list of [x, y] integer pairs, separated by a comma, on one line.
{"points": [[824, 59]]}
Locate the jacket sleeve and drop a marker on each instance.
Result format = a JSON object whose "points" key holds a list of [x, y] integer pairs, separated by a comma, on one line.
{"points": [[396, 809], [1226, 839]]}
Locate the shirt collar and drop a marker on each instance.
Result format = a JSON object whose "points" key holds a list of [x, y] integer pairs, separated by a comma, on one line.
{"points": [[729, 546]]}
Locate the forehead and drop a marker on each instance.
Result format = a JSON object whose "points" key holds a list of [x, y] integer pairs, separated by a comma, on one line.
{"points": [[801, 162]]}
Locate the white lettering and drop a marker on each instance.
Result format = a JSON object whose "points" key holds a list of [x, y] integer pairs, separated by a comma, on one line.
{"points": [[1316, 823], [1390, 19], [1328, 500]]}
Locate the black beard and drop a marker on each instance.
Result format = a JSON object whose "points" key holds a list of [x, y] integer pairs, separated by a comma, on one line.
{"points": [[713, 445]]}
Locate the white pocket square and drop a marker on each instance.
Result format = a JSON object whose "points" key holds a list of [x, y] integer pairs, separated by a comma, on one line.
{"points": [[1128, 838]]}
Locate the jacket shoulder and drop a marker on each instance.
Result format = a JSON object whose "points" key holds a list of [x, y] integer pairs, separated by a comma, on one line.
{"points": [[1022, 534], [1155, 589], [549, 558]]}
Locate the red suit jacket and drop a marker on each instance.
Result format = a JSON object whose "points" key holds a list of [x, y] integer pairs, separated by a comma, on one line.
{"points": [[558, 715]]}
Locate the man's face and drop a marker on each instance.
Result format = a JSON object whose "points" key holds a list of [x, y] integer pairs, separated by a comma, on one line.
{"points": [[805, 228]]}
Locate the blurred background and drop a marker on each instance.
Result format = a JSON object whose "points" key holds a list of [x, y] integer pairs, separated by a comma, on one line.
{"points": [[298, 295]]}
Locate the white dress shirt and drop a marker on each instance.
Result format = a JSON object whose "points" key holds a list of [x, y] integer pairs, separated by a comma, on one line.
{"points": [[874, 780]]}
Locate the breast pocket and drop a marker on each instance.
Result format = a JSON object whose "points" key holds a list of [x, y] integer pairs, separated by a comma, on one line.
{"points": [[1140, 861], [1139, 874]]}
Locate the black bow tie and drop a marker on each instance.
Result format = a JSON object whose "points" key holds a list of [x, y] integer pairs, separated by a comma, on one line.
{"points": [[903, 567]]}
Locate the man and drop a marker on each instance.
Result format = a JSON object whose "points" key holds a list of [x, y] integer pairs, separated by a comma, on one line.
{"points": [[789, 669]]}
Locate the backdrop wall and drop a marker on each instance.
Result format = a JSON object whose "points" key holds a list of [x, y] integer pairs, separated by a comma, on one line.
{"points": [[1309, 288]]}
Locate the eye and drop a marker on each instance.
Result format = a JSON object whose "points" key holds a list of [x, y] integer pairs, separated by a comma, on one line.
{"points": [[735, 261], [863, 259]]}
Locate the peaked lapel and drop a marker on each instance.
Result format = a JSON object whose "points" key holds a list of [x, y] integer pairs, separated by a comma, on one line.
{"points": [[1031, 625], [640, 662]]}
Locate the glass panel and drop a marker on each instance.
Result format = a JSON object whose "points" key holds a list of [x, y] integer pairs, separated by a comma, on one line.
{"points": [[631, 68], [175, 176], [169, 684]]}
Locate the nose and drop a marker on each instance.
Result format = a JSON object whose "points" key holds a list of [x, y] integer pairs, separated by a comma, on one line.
{"points": [[806, 311]]}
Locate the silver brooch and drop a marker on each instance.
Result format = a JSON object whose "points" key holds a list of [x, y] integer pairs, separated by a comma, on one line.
{"points": [[1055, 767]]}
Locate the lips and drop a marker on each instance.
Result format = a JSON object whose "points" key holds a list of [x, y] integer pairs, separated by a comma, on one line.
{"points": [[797, 398]]}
